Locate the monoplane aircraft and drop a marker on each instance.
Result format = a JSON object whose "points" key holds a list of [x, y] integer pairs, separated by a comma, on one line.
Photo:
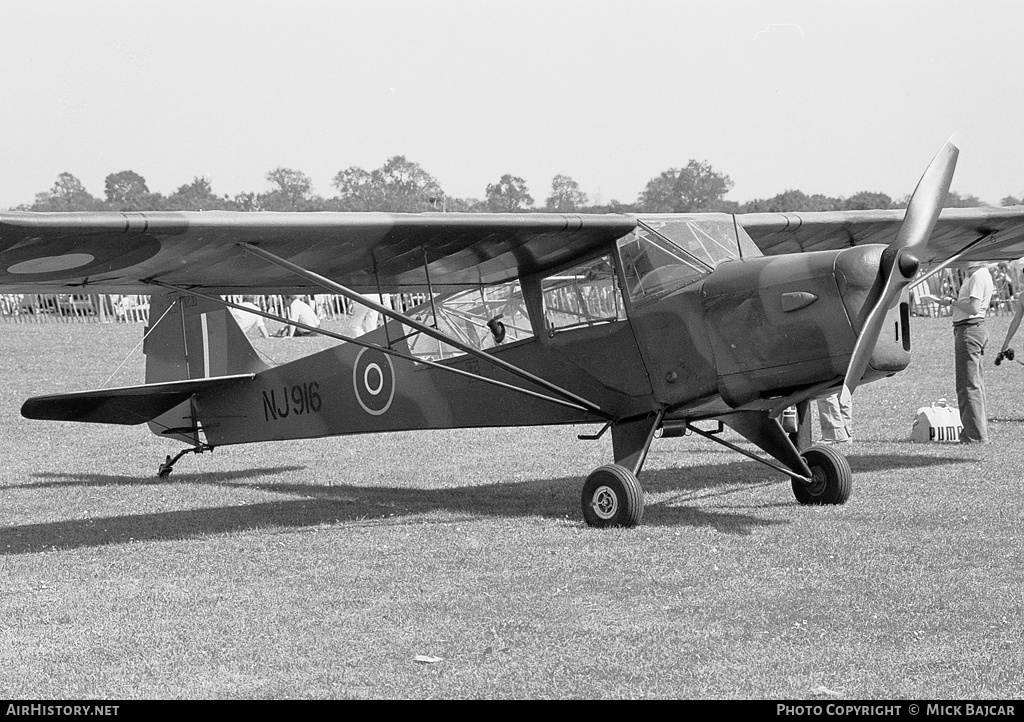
{"points": [[652, 325]]}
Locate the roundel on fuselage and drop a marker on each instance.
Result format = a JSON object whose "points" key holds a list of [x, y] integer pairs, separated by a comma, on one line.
{"points": [[373, 380]]}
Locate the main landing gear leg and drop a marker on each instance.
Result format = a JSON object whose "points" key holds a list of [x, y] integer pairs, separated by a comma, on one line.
{"points": [[165, 469], [820, 474], [611, 495]]}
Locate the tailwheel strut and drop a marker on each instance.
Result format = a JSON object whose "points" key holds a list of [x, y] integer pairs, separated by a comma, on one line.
{"points": [[165, 469]]}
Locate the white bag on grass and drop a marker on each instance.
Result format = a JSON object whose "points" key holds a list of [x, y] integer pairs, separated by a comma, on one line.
{"points": [[938, 422]]}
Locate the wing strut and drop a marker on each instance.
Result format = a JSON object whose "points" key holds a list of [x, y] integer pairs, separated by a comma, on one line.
{"points": [[424, 329], [952, 259], [382, 349], [430, 287]]}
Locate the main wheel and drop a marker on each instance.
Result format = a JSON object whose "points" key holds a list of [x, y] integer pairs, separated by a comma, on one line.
{"points": [[612, 496], [831, 478]]}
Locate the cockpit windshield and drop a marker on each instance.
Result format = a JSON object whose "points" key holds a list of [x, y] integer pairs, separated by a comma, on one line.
{"points": [[668, 252], [712, 241]]}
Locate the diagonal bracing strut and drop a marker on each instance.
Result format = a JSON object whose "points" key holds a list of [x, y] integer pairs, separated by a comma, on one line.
{"points": [[739, 450], [330, 285], [382, 349]]}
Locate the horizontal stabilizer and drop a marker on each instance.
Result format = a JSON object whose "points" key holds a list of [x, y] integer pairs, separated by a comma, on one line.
{"points": [[125, 405]]}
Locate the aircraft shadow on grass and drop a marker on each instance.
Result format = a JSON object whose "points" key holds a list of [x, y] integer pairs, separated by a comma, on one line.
{"points": [[676, 492]]}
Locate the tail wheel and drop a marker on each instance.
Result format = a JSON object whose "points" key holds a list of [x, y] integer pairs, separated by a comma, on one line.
{"points": [[612, 496], [831, 478]]}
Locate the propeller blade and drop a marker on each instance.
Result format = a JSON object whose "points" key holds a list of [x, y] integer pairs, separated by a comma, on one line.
{"points": [[899, 265], [926, 201]]}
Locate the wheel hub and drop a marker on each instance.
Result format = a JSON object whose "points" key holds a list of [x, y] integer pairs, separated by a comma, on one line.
{"points": [[818, 480], [605, 503]]}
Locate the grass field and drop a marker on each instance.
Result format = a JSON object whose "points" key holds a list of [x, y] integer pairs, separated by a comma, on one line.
{"points": [[323, 569]]}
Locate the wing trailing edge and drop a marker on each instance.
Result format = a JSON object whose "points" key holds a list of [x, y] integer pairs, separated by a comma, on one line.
{"points": [[126, 405]]}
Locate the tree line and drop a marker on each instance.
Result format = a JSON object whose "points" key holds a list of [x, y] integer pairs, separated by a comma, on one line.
{"points": [[402, 186]]}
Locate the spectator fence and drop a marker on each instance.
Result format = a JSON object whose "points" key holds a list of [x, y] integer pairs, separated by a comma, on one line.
{"points": [[101, 308]]}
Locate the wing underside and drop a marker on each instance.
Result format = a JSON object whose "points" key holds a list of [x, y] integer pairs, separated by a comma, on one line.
{"points": [[124, 252], [112, 252], [1002, 231]]}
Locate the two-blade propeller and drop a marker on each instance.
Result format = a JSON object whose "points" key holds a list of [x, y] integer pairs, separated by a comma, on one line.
{"points": [[899, 264]]}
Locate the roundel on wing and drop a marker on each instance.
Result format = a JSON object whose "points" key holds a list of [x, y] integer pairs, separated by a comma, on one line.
{"points": [[34, 261], [373, 378]]}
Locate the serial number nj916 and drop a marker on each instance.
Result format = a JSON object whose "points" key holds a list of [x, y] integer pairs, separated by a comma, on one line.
{"points": [[297, 400]]}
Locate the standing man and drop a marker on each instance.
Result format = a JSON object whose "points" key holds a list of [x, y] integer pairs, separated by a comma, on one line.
{"points": [[969, 339], [835, 414]]}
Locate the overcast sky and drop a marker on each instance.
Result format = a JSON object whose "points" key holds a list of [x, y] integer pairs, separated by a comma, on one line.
{"points": [[824, 97]]}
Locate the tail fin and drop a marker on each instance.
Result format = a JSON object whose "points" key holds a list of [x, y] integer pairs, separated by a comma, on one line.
{"points": [[195, 339], [192, 338]]}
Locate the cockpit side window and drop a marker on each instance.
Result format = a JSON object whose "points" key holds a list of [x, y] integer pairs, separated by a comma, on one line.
{"points": [[584, 295], [481, 317]]}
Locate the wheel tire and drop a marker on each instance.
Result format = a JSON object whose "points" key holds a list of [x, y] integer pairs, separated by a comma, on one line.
{"points": [[612, 496], [832, 480]]}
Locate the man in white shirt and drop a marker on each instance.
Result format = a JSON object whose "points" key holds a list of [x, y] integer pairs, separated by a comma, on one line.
{"points": [[300, 312], [247, 320], [969, 339]]}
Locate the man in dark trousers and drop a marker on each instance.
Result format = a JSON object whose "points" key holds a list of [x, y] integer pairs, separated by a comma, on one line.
{"points": [[969, 339]]}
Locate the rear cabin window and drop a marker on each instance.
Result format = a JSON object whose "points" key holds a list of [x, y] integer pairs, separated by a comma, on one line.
{"points": [[481, 318]]}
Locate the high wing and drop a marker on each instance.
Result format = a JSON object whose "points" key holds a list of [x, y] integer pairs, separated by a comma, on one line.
{"points": [[1002, 231], [123, 252]]}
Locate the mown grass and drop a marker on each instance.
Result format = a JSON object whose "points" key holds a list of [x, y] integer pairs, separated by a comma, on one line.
{"points": [[321, 569]]}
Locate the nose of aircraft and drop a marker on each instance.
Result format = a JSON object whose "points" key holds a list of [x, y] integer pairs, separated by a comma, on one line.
{"points": [[863, 274]]}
